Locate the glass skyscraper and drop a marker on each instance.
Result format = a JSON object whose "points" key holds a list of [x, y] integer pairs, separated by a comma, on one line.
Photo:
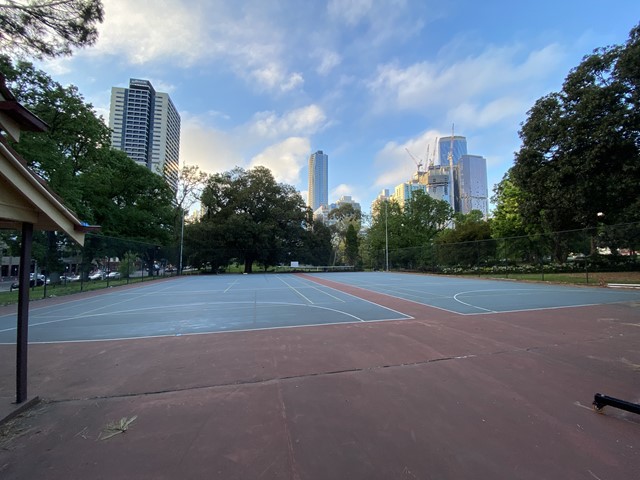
{"points": [[146, 126], [318, 180], [459, 149]]}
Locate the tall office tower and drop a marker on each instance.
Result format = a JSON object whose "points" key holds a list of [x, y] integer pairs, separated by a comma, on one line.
{"points": [[146, 126], [318, 180], [459, 149], [472, 175]]}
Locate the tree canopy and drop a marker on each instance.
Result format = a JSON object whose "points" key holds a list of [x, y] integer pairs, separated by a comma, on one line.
{"points": [[580, 154], [249, 217], [48, 28], [101, 184], [406, 229]]}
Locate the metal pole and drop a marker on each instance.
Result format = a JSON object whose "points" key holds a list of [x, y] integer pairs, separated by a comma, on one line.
{"points": [[22, 339], [386, 235], [181, 243]]}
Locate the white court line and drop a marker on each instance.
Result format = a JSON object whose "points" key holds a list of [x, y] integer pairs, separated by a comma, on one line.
{"points": [[230, 285], [217, 332], [455, 297], [234, 304], [294, 289], [322, 291], [408, 317]]}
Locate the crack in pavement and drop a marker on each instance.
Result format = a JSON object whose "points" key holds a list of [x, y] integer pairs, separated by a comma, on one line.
{"points": [[267, 381]]}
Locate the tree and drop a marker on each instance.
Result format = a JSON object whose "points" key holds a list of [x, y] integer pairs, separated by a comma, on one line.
{"points": [[102, 185], [507, 220], [345, 216], [127, 200], [409, 230], [48, 28], [351, 245], [248, 216], [467, 242], [580, 153]]}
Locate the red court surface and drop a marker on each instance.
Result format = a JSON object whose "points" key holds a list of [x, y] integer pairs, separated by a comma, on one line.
{"points": [[439, 396]]}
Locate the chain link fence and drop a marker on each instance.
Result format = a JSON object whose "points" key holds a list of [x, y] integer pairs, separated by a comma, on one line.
{"points": [[60, 267], [585, 252]]}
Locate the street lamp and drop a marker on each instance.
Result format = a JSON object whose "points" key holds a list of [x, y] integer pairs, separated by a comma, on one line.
{"points": [[386, 235], [181, 243]]}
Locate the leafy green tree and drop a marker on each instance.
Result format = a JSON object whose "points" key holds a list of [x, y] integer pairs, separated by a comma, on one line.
{"points": [[316, 247], [344, 216], [506, 219], [580, 153], [351, 246], [48, 28], [252, 218], [102, 185], [128, 200], [468, 242], [410, 230]]}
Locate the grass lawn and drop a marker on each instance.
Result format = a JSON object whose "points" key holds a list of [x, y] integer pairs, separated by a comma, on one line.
{"points": [[59, 290]]}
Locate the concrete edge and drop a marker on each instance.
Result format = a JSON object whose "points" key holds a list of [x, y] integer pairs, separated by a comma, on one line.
{"points": [[20, 409]]}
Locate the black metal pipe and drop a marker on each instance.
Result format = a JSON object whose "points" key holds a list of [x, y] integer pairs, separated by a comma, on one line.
{"points": [[22, 334], [600, 401]]}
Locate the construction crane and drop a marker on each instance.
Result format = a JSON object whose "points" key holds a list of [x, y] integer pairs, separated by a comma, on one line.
{"points": [[418, 163], [431, 158]]}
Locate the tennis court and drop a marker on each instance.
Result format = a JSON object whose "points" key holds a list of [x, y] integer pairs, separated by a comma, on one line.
{"points": [[210, 304], [340, 375]]}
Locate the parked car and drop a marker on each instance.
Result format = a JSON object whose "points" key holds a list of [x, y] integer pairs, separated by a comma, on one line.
{"points": [[113, 275], [34, 281], [97, 275], [70, 278]]}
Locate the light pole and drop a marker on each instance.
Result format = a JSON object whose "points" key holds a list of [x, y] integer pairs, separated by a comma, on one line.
{"points": [[386, 235], [181, 243]]}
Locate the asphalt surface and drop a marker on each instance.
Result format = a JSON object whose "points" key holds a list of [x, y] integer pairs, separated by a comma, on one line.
{"points": [[438, 395]]}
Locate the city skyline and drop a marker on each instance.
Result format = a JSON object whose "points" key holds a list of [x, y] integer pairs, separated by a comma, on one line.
{"points": [[254, 85]]}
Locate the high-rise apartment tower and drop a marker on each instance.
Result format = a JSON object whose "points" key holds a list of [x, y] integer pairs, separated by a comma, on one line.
{"points": [[146, 126], [318, 180]]}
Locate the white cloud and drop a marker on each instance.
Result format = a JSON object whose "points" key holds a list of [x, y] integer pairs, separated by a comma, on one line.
{"points": [[491, 113], [190, 33], [285, 159], [497, 71], [328, 60], [211, 149], [146, 30], [350, 12], [302, 121], [397, 166]]}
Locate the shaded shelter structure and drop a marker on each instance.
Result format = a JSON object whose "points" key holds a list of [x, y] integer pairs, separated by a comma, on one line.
{"points": [[27, 204]]}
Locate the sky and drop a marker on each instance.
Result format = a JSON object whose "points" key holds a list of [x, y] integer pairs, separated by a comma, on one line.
{"points": [[268, 82]]}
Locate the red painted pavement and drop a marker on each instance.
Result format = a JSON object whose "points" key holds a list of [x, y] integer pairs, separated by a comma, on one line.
{"points": [[444, 396]]}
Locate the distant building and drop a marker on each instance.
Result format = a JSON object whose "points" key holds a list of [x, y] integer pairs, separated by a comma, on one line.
{"points": [[318, 180], [321, 214], [472, 179], [404, 191], [146, 126], [459, 149], [382, 197], [436, 179]]}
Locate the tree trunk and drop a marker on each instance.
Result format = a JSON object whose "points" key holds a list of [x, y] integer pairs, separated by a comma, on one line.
{"points": [[248, 263]]}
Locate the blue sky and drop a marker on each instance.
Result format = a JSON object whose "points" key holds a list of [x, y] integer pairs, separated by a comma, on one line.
{"points": [[270, 81]]}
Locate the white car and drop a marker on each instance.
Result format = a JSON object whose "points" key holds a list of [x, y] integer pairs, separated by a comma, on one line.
{"points": [[97, 275], [113, 275]]}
